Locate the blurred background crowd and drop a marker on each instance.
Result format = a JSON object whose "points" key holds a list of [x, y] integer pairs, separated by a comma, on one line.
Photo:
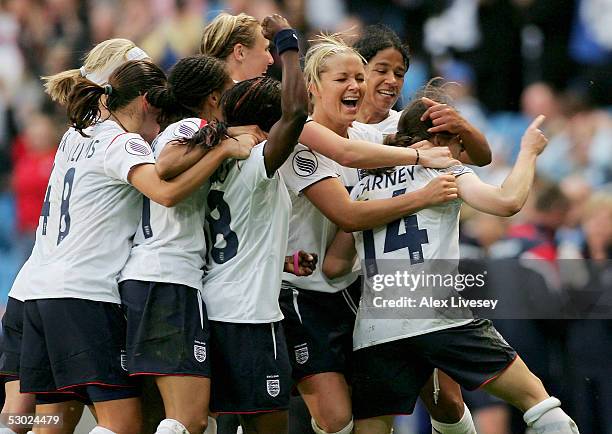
{"points": [[513, 59]]}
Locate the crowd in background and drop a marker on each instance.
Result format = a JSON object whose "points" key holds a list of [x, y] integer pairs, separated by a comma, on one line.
{"points": [[511, 59]]}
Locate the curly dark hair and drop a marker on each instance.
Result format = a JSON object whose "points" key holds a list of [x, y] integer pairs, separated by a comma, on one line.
{"points": [[379, 37]]}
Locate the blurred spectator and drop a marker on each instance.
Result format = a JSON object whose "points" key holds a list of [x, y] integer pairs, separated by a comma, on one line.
{"points": [[34, 152]]}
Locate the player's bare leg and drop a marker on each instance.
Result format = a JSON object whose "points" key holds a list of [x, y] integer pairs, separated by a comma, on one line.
{"points": [[276, 422], [120, 416], [518, 386], [70, 413], [374, 425], [186, 400], [444, 402], [328, 400], [17, 403]]}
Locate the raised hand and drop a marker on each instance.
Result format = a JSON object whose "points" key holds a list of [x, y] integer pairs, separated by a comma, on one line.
{"points": [[534, 139], [445, 119], [272, 24]]}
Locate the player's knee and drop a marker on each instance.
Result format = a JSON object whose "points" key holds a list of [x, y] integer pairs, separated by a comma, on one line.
{"points": [[449, 408], [333, 425]]}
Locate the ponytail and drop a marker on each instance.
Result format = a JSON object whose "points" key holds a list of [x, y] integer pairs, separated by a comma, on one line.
{"points": [[207, 137], [59, 86], [84, 104]]}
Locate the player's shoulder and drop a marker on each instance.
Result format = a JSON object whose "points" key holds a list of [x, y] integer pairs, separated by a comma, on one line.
{"points": [[185, 128], [116, 139], [361, 131]]}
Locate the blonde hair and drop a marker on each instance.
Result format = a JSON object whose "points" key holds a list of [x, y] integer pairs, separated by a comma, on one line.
{"points": [[109, 53], [225, 31], [324, 47]]}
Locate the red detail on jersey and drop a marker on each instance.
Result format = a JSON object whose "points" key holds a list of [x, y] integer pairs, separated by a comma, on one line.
{"points": [[203, 122], [115, 138], [95, 383], [157, 374]]}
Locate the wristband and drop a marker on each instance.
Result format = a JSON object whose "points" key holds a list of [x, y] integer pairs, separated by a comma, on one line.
{"points": [[296, 262], [285, 40], [418, 157]]}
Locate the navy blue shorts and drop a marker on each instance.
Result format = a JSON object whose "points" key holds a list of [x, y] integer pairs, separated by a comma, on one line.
{"points": [[389, 376], [167, 329], [251, 372], [71, 345], [10, 341], [319, 330]]}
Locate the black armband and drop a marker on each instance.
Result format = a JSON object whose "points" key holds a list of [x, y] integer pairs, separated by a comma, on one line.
{"points": [[285, 40]]}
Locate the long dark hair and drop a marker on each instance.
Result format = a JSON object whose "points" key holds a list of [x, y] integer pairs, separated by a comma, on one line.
{"points": [[253, 102], [130, 80], [190, 81]]}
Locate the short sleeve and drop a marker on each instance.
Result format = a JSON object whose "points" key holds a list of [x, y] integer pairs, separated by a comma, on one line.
{"points": [[253, 169], [456, 170], [124, 152], [305, 167], [365, 132], [183, 129]]}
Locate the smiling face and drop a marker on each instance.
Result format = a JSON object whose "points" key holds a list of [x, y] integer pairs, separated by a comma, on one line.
{"points": [[341, 88], [385, 77], [256, 59]]}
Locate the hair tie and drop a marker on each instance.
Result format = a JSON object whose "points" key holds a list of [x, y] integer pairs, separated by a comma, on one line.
{"points": [[108, 89]]}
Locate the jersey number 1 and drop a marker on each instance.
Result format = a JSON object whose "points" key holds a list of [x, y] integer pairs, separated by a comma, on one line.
{"points": [[413, 239]]}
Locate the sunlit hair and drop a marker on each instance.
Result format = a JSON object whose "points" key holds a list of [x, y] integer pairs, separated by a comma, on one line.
{"points": [[325, 47], [225, 31], [100, 60]]}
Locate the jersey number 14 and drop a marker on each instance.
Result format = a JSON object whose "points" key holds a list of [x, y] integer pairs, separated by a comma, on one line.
{"points": [[412, 239]]}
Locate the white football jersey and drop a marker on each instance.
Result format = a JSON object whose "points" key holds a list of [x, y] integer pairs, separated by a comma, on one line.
{"points": [[386, 126], [309, 229], [410, 243], [247, 224], [169, 245], [88, 218]]}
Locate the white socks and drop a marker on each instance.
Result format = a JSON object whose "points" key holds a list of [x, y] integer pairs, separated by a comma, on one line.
{"points": [[171, 426], [101, 430], [346, 430], [546, 417], [464, 426], [212, 426]]}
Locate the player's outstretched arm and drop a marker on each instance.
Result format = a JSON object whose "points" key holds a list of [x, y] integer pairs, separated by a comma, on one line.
{"points": [[340, 255], [366, 155], [294, 98], [446, 119], [332, 199], [175, 158], [508, 199], [168, 193]]}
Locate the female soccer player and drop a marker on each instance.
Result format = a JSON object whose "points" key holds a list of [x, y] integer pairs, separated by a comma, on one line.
{"points": [[161, 283], [89, 217], [98, 64], [388, 61], [248, 214], [319, 314], [238, 40], [395, 357]]}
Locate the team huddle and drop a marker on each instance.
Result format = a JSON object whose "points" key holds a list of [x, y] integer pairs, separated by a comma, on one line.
{"points": [[206, 229]]}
